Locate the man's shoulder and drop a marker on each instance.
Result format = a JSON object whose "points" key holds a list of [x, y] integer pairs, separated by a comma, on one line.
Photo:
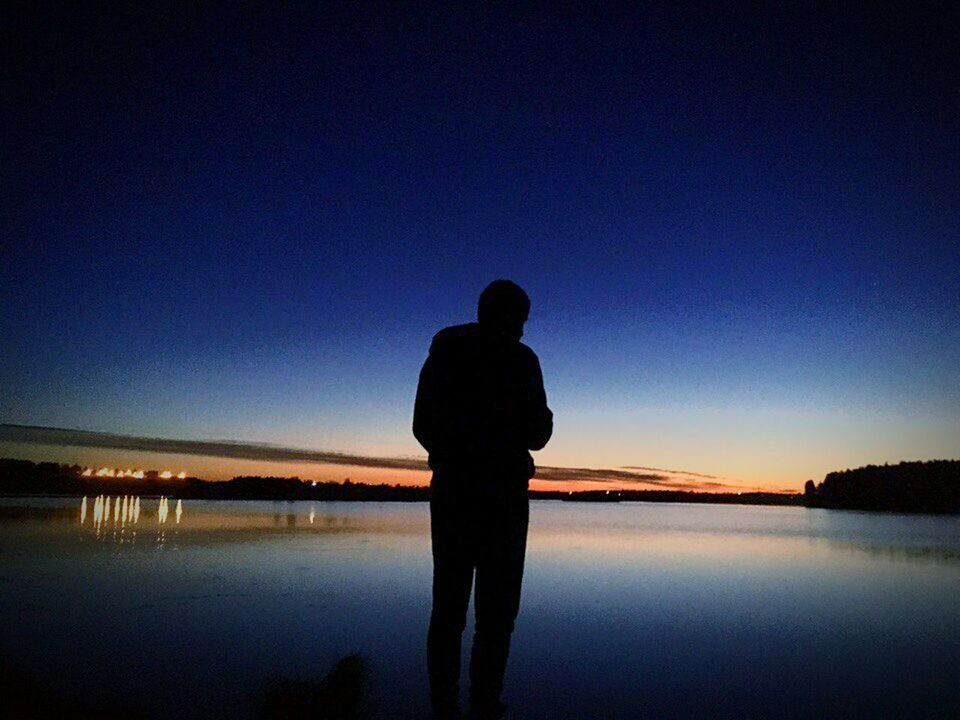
{"points": [[527, 353], [456, 331], [452, 336]]}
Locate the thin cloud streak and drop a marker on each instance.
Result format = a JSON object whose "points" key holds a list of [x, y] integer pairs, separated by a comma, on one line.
{"points": [[210, 448], [666, 479], [678, 472], [609, 475]]}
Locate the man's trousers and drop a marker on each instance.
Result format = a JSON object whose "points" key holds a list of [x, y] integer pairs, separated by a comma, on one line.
{"points": [[478, 527]]}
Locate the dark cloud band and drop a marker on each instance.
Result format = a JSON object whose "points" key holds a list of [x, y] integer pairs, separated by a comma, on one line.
{"points": [[260, 451]]}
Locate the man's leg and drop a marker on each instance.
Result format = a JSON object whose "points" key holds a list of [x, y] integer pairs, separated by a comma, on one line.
{"points": [[497, 598], [452, 579]]}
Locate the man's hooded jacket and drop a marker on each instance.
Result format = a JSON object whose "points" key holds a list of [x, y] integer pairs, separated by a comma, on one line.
{"points": [[480, 403]]}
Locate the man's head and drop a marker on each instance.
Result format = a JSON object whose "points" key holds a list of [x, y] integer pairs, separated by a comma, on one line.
{"points": [[504, 308]]}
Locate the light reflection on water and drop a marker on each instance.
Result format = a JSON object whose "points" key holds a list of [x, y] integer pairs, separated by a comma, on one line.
{"points": [[629, 610], [119, 524]]}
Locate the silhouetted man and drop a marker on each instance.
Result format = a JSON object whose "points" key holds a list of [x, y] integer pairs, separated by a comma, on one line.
{"points": [[480, 409]]}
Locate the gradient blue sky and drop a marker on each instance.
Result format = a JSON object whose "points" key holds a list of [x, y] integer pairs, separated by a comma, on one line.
{"points": [[740, 229]]}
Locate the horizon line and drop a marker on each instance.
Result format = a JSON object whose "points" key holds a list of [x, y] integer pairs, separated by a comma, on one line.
{"points": [[260, 451]]}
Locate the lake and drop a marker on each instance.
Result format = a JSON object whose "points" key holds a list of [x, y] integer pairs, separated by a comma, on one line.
{"points": [[629, 610]]}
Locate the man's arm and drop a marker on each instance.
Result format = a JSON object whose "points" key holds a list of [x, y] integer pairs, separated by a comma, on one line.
{"points": [[540, 417], [423, 408]]}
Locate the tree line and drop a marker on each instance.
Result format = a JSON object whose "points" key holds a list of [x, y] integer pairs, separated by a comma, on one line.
{"points": [[928, 486]]}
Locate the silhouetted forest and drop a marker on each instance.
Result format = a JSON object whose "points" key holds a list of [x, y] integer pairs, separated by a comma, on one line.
{"points": [[742, 498], [931, 486], [23, 477]]}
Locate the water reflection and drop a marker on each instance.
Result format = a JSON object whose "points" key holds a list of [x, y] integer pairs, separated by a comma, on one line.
{"points": [[641, 611], [122, 515], [668, 534], [118, 517], [903, 553]]}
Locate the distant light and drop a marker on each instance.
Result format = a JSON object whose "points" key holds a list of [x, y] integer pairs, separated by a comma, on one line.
{"points": [[88, 472], [313, 484], [166, 474], [182, 474]]}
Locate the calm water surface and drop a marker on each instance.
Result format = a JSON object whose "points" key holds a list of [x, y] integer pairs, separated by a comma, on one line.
{"points": [[629, 610]]}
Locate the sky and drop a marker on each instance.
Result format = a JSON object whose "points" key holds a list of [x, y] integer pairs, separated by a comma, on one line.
{"points": [[739, 227]]}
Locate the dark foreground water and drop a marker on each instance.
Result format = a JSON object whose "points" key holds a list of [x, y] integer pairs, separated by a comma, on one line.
{"points": [[629, 610]]}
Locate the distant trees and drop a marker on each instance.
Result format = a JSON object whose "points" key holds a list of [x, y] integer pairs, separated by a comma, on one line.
{"points": [[931, 486], [22, 476]]}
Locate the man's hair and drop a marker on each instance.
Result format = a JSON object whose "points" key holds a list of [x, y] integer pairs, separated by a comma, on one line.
{"points": [[502, 299]]}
